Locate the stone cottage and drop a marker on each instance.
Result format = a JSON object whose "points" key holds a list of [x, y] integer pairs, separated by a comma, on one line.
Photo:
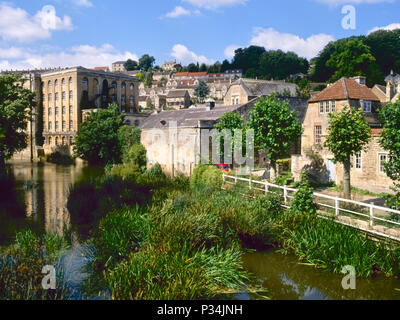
{"points": [[367, 167]]}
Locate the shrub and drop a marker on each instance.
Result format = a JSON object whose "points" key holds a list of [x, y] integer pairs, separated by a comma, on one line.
{"points": [[137, 156], [206, 176], [303, 202]]}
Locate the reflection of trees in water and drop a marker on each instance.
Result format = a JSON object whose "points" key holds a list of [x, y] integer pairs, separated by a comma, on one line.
{"points": [[285, 278]]}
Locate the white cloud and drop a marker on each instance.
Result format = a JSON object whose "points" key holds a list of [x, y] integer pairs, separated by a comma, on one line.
{"points": [[214, 4], [273, 40], [84, 55], [389, 27], [337, 2], [83, 3], [183, 54], [11, 53], [230, 51], [178, 12], [17, 24]]}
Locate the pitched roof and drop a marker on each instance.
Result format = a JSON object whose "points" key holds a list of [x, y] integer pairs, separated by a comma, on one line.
{"points": [[256, 88], [176, 93], [345, 89]]}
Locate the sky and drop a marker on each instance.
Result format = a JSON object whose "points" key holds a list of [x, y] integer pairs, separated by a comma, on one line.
{"points": [[95, 33]]}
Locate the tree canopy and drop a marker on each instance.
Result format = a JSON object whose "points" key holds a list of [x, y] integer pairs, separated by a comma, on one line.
{"points": [[276, 127], [131, 65], [16, 104], [146, 62], [97, 140], [202, 90], [348, 133]]}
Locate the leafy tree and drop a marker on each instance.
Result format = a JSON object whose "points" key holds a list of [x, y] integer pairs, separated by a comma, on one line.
{"points": [[390, 141], [385, 47], [193, 67], [303, 201], [131, 65], [348, 134], [148, 80], [16, 104], [203, 68], [202, 90], [146, 62], [97, 140], [137, 155], [215, 68], [225, 65], [276, 127], [247, 58], [230, 121], [128, 136], [354, 58]]}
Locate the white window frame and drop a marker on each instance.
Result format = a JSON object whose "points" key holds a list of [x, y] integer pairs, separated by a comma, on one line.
{"points": [[321, 107], [381, 169], [327, 107], [333, 106], [317, 135], [366, 105], [358, 156]]}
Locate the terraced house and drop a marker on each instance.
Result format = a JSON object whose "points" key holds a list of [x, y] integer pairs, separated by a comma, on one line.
{"points": [[178, 99], [367, 166]]}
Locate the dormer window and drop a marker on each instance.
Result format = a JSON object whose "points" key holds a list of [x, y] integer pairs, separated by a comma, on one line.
{"points": [[366, 105]]}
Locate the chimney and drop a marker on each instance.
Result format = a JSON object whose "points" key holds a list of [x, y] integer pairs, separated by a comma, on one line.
{"points": [[389, 90], [210, 104], [361, 80]]}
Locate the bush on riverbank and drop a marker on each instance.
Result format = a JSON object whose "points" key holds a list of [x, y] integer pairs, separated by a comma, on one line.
{"points": [[206, 176], [60, 158], [21, 267]]}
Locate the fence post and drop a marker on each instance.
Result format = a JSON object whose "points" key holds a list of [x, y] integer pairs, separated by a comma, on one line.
{"points": [[285, 194], [337, 209], [223, 178], [371, 214], [250, 183], [266, 188]]}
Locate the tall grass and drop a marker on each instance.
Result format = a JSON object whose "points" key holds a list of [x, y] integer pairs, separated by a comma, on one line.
{"points": [[21, 267]]}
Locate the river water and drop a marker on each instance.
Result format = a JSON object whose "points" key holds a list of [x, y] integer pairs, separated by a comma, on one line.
{"points": [[39, 202]]}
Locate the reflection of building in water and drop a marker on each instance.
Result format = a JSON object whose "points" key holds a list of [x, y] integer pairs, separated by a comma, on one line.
{"points": [[47, 203]]}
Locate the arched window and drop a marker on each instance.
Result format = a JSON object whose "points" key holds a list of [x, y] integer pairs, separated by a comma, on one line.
{"points": [[85, 82], [123, 86], [71, 95], [71, 141], [131, 100], [114, 85], [50, 97], [63, 82], [56, 84], [123, 100], [71, 125], [70, 81], [50, 141], [132, 86], [56, 141], [64, 95], [49, 84], [64, 141]]}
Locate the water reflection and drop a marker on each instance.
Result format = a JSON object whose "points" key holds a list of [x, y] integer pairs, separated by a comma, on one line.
{"points": [[44, 191], [286, 279]]}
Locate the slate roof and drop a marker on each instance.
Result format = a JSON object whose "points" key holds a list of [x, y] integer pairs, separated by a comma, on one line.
{"points": [[256, 88], [176, 93], [345, 89]]}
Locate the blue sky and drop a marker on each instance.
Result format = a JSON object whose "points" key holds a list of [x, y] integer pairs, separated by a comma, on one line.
{"points": [[51, 33]]}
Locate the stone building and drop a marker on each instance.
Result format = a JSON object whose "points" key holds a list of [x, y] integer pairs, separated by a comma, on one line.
{"points": [[367, 166], [390, 93], [245, 90], [67, 94], [118, 66], [171, 65], [178, 99]]}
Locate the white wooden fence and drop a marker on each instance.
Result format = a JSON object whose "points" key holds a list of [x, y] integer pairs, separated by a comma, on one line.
{"points": [[369, 217]]}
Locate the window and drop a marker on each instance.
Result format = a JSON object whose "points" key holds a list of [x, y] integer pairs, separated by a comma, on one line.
{"points": [[50, 141], [64, 110], [49, 111], [63, 82], [114, 98], [71, 95], [50, 126], [382, 160], [132, 86], [123, 86], [131, 100], [56, 126], [71, 110], [56, 141], [64, 95], [321, 107], [64, 141], [56, 84], [317, 134], [50, 84], [358, 160], [85, 82], [56, 96], [71, 141], [70, 81], [333, 106], [57, 111], [64, 126], [50, 97], [71, 125], [123, 100], [366, 105], [327, 107]]}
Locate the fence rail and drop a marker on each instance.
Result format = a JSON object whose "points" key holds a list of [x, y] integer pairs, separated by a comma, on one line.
{"points": [[367, 217]]}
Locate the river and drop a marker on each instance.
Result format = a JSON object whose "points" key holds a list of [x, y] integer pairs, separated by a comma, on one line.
{"points": [[39, 202]]}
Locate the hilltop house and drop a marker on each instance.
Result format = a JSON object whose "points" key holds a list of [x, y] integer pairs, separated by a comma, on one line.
{"points": [[367, 167], [178, 99], [245, 90]]}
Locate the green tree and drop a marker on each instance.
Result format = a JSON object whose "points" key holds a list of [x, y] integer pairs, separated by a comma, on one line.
{"points": [[131, 65], [202, 90], [247, 58], [276, 127], [354, 58], [230, 121], [193, 67], [348, 133], [148, 80], [128, 136], [146, 62], [16, 104], [203, 67], [390, 141], [225, 65], [97, 140]]}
